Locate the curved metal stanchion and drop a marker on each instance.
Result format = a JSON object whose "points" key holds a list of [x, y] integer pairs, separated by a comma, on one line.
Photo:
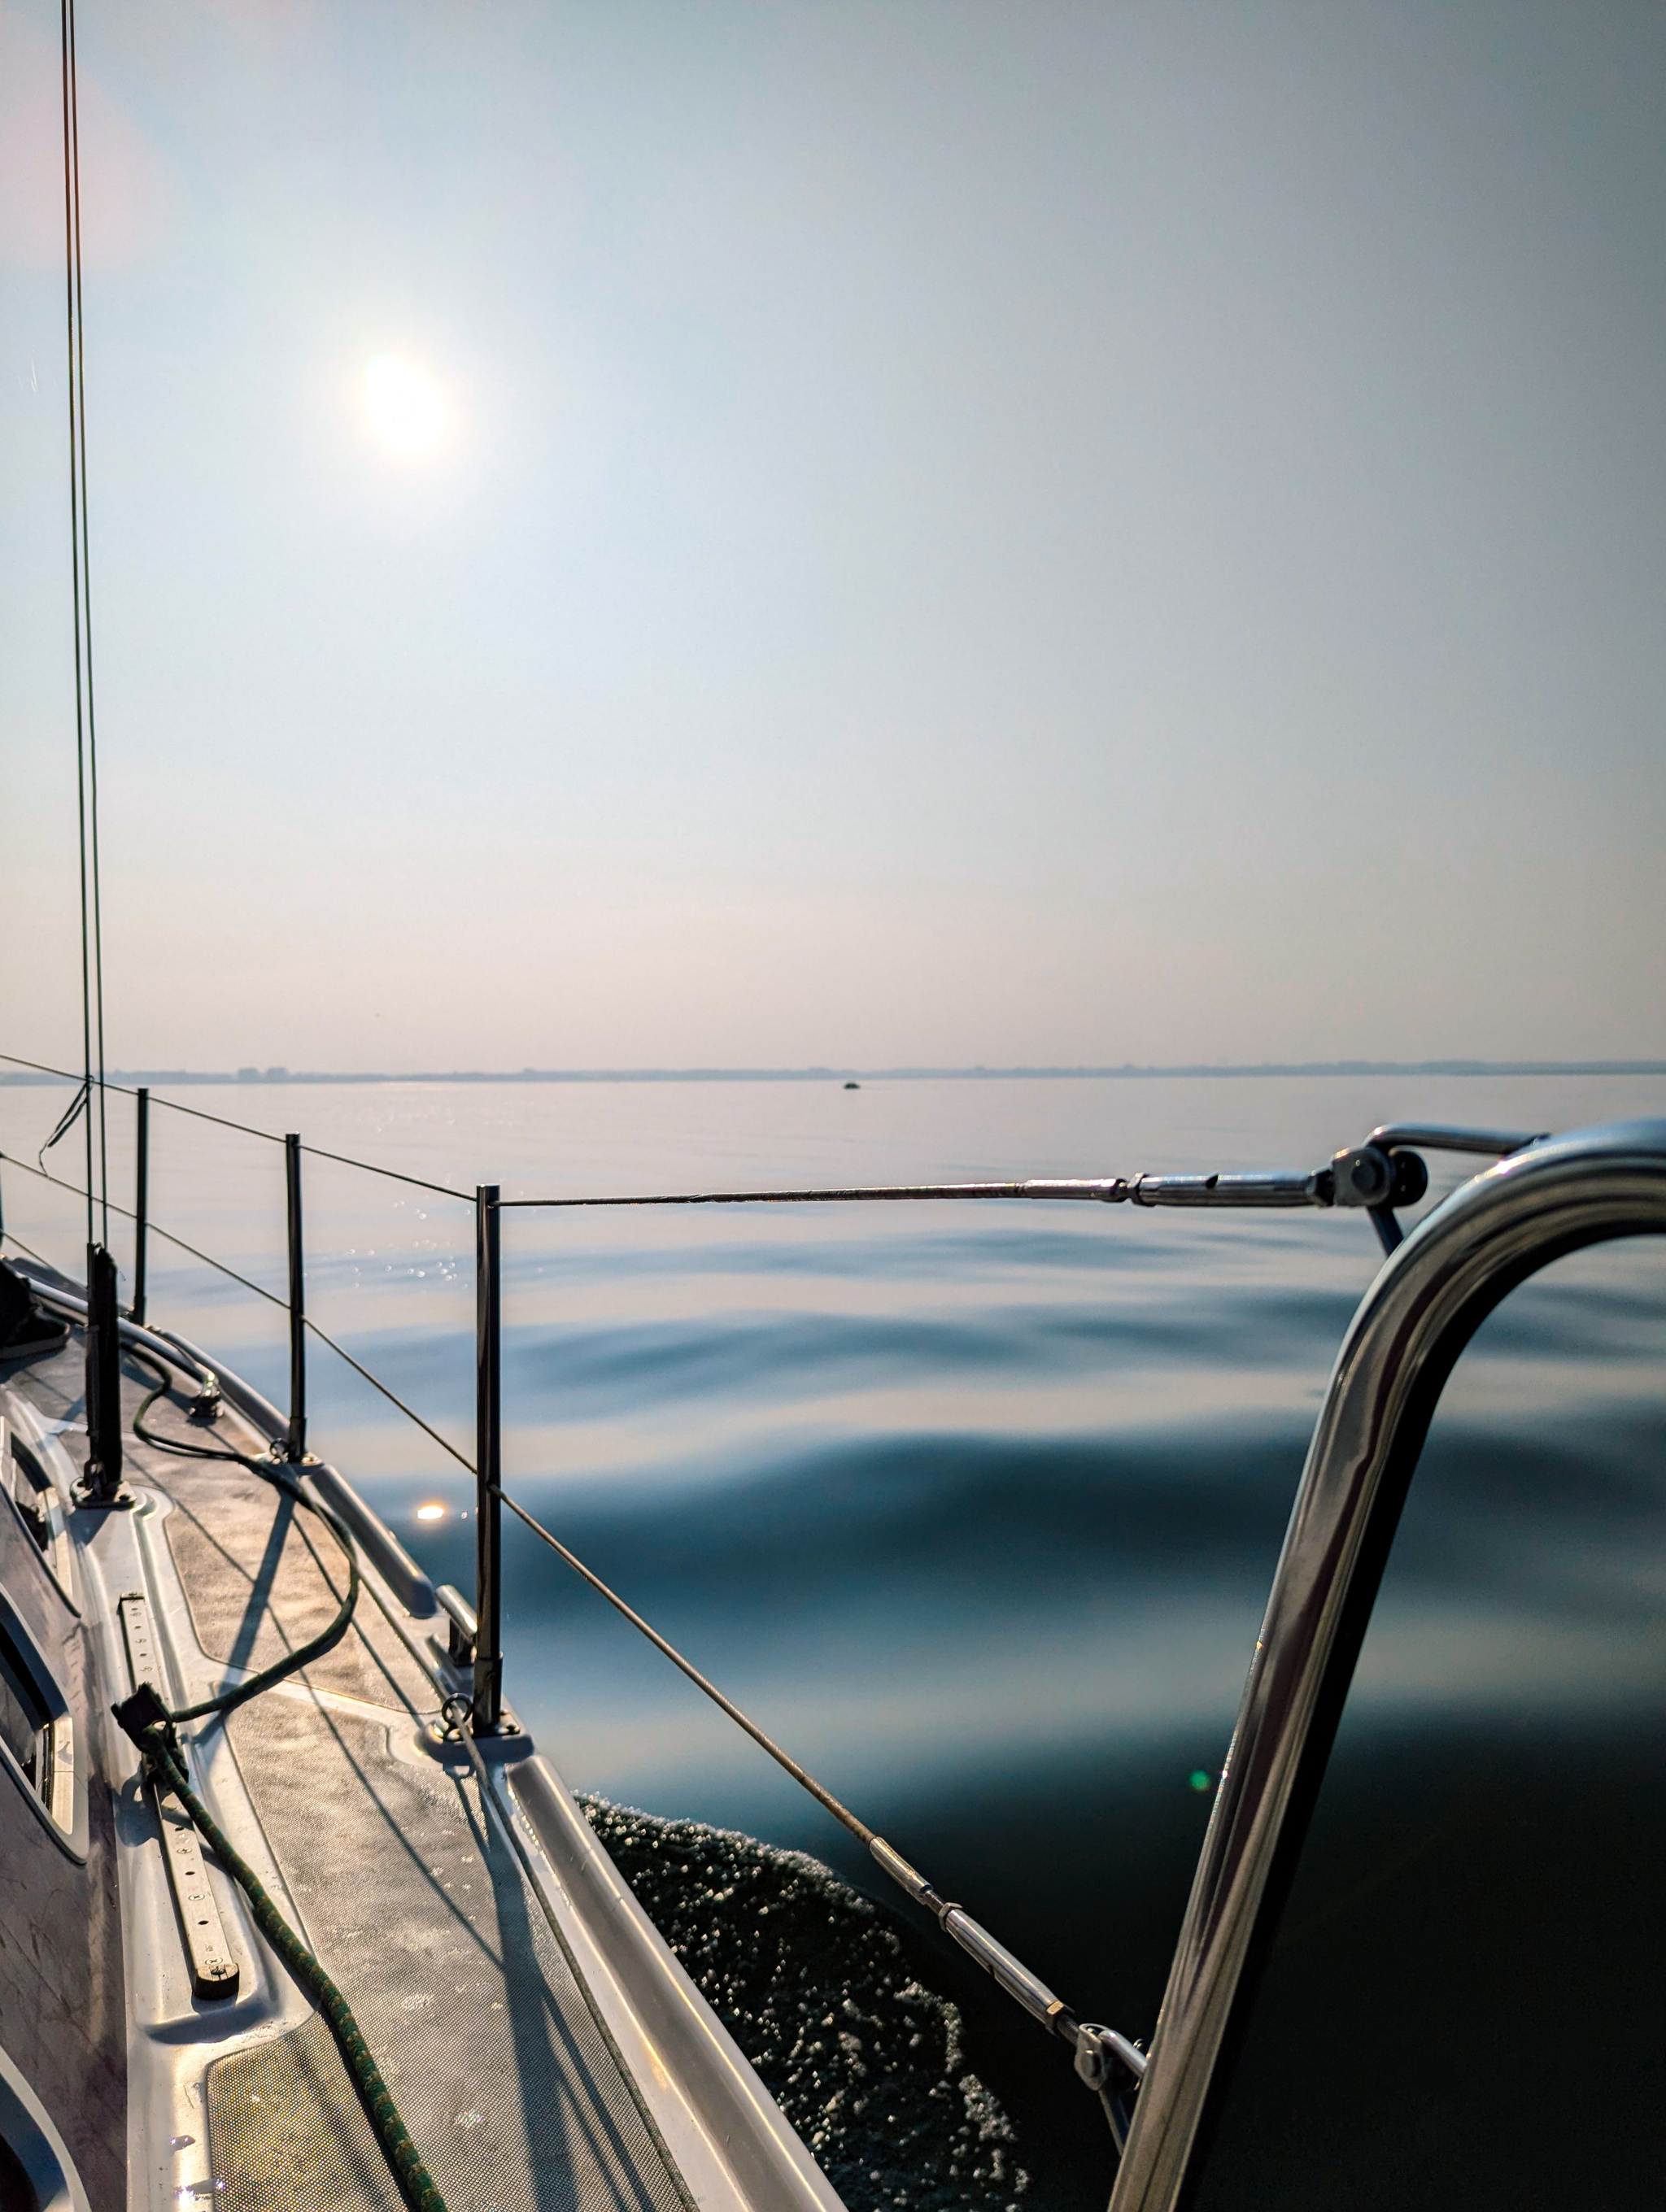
{"points": [[1431, 1297]]}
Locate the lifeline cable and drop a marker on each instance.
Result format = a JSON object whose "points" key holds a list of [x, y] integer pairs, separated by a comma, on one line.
{"points": [[156, 1229], [246, 1129], [152, 1727], [260, 1292], [805, 1780], [1008, 1970], [1108, 1189], [1105, 2060], [1102, 2057]]}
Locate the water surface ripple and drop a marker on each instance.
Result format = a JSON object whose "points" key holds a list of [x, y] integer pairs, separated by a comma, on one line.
{"points": [[977, 1512]]}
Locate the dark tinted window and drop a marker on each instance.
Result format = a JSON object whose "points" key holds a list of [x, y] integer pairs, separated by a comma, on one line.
{"points": [[23, 1719]]}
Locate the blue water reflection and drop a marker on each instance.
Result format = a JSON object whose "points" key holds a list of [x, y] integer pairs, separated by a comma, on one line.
{"points": [[978, 1510]]}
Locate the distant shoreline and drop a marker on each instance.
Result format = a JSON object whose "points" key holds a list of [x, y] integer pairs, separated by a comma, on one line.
{"points": [[253, 1079]]}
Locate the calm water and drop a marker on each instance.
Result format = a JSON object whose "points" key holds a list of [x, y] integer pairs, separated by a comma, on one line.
{"points": [[976, 1509]]}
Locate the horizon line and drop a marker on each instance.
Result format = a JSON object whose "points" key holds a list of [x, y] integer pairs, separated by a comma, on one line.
{"points": [[1128, 1071]]}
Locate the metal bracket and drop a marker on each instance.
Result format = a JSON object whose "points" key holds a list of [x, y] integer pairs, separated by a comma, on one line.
{"points": [[1386, 1172], [1379, 1179], [207, 1403], [1110, 2064]]}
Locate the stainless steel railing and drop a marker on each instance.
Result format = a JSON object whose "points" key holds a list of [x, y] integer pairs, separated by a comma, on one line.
{"points": [[1427, 1301]]}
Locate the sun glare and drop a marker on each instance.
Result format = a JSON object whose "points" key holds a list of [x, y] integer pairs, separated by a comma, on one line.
{"points": [[430, 1512], [406, 411]]}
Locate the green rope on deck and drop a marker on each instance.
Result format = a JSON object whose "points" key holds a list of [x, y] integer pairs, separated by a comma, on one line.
{"points": [[269, 1471], [146, 1720], [150, 1724]]}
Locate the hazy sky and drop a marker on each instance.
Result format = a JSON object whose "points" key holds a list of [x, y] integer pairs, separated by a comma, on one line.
{"points": [[947, 531]]}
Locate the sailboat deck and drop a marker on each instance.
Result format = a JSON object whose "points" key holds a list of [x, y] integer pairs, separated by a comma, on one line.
{"points": [[381, 1853]]}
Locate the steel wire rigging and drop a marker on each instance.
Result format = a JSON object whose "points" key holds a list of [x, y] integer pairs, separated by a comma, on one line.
{"points": [[259, 1291], [1378, 1176], [87, 775], [1109, 2064], [243, 1128], [1381, 1179]]}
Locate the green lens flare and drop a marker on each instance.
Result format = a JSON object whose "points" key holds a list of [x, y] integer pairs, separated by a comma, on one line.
{"points": [[1200, 1781]]}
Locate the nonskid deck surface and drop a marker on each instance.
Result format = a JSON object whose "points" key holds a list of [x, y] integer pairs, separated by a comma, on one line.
{"points": [[421, 1913], [401, 1883]]}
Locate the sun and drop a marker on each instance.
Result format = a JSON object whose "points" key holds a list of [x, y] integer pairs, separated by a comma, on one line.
{"points": [[407, 410]]}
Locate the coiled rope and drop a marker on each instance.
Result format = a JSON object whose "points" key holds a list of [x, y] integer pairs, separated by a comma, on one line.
{"points": [[326, 1640], [153, 1728]]}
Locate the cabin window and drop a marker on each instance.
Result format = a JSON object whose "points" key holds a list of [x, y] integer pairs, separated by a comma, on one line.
{"points": [[26, 1727]]}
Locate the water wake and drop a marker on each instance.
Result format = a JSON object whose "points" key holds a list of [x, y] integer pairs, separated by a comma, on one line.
{"points": [[816, 1989]]}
